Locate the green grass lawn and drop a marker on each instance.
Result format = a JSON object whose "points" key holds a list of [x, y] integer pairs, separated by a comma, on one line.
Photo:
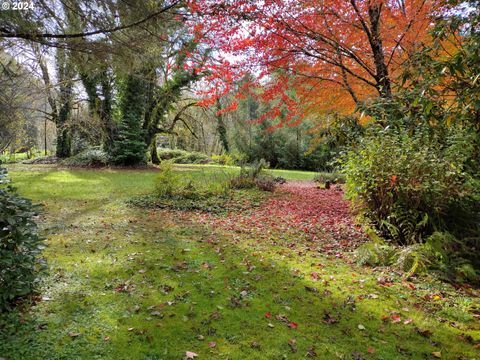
{"points": [[287, 174], [130, 283]]}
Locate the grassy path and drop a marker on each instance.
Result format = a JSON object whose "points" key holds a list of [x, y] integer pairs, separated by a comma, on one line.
{"points": [[130, 283]]}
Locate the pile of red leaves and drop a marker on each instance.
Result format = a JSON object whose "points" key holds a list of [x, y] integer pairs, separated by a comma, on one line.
{"points": [[300, 209]]}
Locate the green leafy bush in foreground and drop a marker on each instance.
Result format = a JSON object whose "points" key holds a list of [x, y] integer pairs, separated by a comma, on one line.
{"points": [[415, 192], [20, 245]]}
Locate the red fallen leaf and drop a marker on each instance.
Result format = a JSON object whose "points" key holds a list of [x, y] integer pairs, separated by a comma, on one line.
{"points": [[212, 344], [371, 350], [268, 315], [411, 286], [314, 275], [396, 318], [292, 325]]}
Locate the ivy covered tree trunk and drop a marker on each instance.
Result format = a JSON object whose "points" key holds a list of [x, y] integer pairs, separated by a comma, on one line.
{"points": [[106, 110], [221, 128], [153, 152], [65, 75], [161, 98], [129, 147], [100, 106]]}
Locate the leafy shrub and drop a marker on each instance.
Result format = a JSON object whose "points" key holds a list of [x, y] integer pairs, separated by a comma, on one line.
{"points": [[254, 169], [167, 182], [408, 188], [242, 182], [20, 245], [93, 157], [170, 185], [250, 177], [266, 183], [183, 157], [333, 178], [415, 190], [223, 159]]}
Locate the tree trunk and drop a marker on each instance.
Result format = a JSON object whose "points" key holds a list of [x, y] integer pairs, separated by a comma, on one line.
{"points": [[382, 77], [153, 151]]}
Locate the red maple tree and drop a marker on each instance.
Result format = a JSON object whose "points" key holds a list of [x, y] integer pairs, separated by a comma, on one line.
{"points": [[330, 54]]}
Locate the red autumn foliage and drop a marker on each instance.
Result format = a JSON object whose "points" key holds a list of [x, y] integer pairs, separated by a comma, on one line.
{"points": [[332, 53]]}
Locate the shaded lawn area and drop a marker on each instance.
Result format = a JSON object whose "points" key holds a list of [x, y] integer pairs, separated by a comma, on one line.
{"points": [[131, 283]]}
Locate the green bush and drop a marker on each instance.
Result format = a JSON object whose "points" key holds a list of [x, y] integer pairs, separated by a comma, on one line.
{"points": [[88, 158], [332, 177], [251, 176], [409, 187], [20, 245], [170, 185], [223, 159], [183, 157], [266, 183], [167, 182]]}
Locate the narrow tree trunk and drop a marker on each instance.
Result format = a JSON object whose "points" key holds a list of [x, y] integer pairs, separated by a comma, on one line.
{"points": [[154, 153], [382, 77]]}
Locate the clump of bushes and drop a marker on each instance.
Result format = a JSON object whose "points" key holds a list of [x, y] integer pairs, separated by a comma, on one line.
{"points": [[251, 176], [411, 189], [178, 156], [229, 159], [331, 177], [170, 185], [20, 245], [94, 157], [223, 159]]}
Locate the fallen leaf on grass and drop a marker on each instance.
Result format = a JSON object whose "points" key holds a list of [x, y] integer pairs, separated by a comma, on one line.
{"points": [[268, 315], [371, 350], [329, 319], [311, 352], [396, 318], [361, 327], [293, 345], [423, 332], [437, 354], [408, 321], [212, 344], [292, 325], [190, 355], [73, 334]]}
